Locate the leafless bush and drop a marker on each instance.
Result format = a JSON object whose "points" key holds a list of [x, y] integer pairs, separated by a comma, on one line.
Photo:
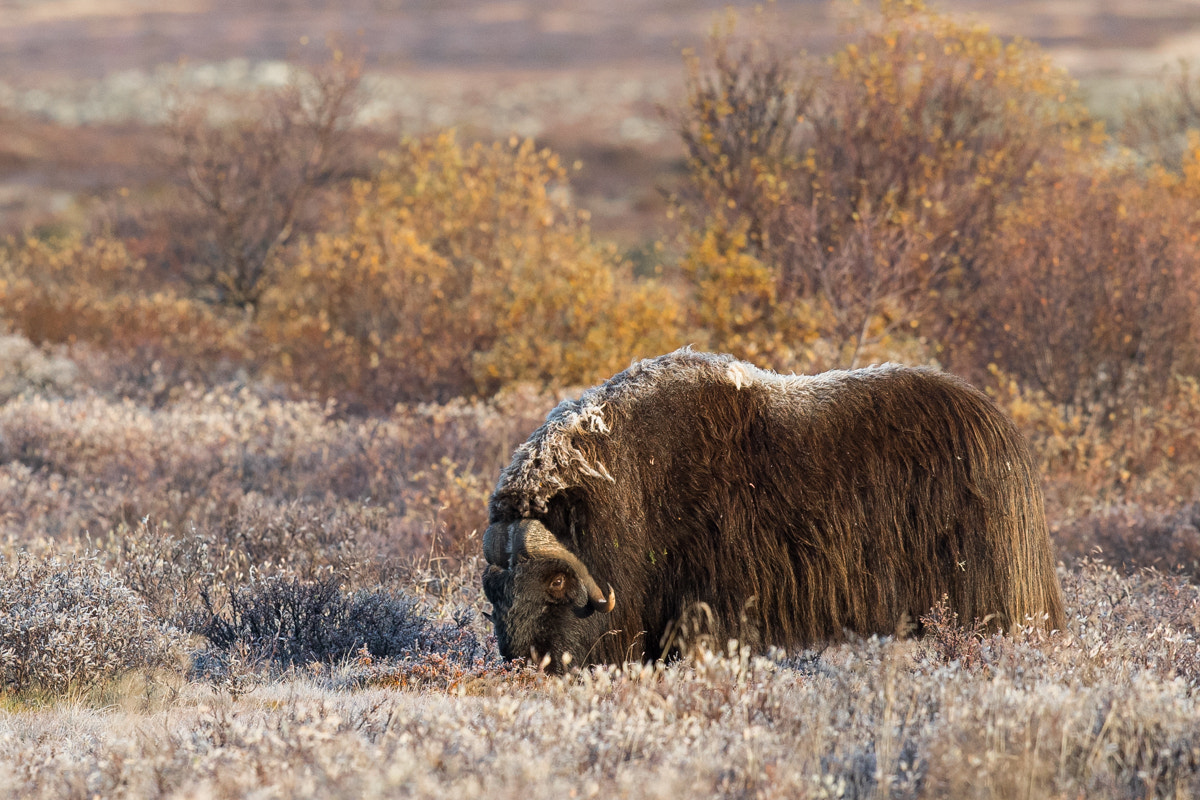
{"points": [[1089, 292], [948, 639], [250, 182]]}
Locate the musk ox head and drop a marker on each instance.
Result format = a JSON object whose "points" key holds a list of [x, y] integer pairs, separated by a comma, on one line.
{"points": [[542, 594]]}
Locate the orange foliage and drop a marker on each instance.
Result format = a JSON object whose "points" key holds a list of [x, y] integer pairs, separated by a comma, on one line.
{"points": [[464, 269], [461, 270], [94, 293]]}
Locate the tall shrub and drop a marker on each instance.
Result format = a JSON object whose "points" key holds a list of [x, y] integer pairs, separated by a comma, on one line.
{"points": [[1088, 292], [864, 183], [465, 268]]}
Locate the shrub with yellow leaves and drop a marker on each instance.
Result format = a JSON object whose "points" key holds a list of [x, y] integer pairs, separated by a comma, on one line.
{"points": [[465, 268], [734, 301]]}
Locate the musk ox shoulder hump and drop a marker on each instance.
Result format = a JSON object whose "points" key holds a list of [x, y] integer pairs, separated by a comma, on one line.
{"points": [[564, 452]]}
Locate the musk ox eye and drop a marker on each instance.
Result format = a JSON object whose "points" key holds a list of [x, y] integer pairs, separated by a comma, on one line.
{"points": [[557, 587]]}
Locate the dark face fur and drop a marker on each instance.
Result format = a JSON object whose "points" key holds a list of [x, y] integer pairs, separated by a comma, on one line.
{"points": [[540, 609]]}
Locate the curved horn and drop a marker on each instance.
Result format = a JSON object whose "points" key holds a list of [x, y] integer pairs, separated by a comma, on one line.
{"points": [[495, 545], [535, 540]]}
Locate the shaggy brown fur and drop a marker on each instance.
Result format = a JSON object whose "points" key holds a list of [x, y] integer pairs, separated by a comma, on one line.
{"points": [[792, 508]]}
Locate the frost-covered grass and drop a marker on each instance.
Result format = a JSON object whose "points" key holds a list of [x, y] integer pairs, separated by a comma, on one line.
{"points": [[1106, 709], [255, 480]]}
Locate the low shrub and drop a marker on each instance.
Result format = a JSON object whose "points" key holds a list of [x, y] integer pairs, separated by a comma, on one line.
{"points": [[27, 368], [1088, 291], [93, 293], [439, 672], [290, 622], [170, 568], [948, 639], [1134, 537], [66, 626], [1144, 449]]}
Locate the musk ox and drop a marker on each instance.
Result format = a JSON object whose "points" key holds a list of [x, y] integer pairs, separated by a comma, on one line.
{"points": [[792, 509]]}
